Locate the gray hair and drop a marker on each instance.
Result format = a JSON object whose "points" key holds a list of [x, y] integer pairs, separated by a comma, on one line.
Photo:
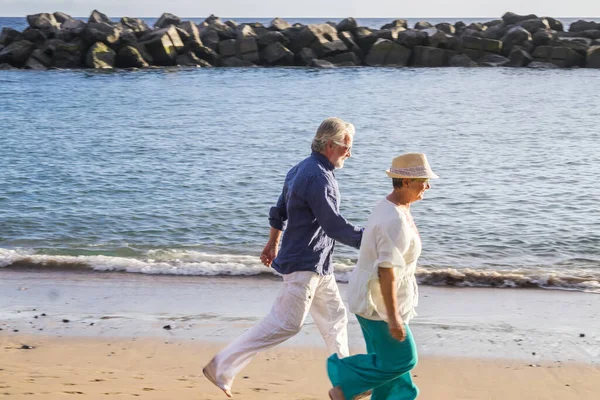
{"points": [[334, 129]]}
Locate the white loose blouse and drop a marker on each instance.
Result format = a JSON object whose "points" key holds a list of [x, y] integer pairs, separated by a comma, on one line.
{"points": [[390, 240]]}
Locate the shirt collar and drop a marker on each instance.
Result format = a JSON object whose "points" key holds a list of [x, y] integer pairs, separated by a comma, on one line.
{"points": [[323, 160]]}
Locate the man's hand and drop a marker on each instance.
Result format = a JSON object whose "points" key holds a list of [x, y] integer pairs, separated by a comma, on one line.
{"points": [[397, 329], [269, 253]]}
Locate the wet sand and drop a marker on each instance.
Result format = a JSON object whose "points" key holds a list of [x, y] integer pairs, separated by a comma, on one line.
{"points": [[104, 335]]}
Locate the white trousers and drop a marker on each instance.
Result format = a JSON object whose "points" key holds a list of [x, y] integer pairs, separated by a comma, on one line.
{"points": [[301, 292]]}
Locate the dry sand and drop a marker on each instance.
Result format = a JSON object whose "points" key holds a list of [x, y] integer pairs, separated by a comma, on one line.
{"points": [[93, 368]]}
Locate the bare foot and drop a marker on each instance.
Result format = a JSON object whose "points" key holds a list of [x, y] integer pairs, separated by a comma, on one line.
{"points": [[336, 394], [209, 374]]}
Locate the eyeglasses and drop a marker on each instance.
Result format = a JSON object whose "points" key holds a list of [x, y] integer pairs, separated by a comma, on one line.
{"points": [[424, 180], [344, 145]]}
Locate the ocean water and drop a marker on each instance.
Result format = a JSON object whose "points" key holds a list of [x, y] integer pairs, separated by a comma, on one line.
{"points": [[173, 171]]}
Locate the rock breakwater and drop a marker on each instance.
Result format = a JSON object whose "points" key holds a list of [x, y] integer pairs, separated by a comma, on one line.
{"points": [[59, 41]]}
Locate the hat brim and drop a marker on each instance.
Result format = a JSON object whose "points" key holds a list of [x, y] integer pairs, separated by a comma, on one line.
{"points": [[428, 175]]}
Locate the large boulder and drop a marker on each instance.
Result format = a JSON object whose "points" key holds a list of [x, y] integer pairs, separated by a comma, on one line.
{"points": [[10, 35], [137, 25], [348, 59], [163, 45], [6, 67], [247, 49], [582, 25], [314, 36], [279, 24], [44, 22], [511, 18], [35, 36], [167, 19], [555, 24], [461, 60], [494, 22], [66, 55], [245, 31], [477, 26], [210, 38], [534, 25], [234, 62], [130, 57], [348, 24], [447, 28], [227, 48], [101, 32], [580, 45], [364, 37], [38, 60], [593, 57], [387, 53], [98, 17], [411, 38], [423, 25], [100, 56], [495, 32], [519, 57], [482, 45], [277, 54], [398, 23], [352, 46], [563, 57], [17, 53], [272, 37], [515, 36], [190, 59], [305, 56], [543, 38], [494, 60], [207, 54], [61, 17], [425, 56]]}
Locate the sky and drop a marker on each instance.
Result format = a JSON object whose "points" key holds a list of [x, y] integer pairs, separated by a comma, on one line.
{"points": [[305, 8]]}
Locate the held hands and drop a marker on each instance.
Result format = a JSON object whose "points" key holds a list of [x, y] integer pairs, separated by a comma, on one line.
{"points": [[269, 253], [397, 330]]}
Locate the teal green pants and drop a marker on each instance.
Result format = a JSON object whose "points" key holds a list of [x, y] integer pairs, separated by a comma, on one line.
{"points": [[385, 369]]}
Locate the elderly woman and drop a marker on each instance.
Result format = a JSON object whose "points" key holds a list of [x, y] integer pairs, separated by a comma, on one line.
{"points": [[383, 293]]}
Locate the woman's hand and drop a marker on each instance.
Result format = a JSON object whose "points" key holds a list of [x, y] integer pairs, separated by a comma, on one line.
{"points": [[397, 329]]}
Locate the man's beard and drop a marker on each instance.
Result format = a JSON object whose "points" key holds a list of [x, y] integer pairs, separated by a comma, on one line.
{"points": [[339, 164]]}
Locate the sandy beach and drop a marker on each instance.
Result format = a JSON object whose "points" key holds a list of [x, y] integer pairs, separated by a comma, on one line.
{"points": [[98, 336]]}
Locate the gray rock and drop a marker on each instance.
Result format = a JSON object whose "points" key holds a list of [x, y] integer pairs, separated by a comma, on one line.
{"points": [[73, 26], [232, 24], [17, 53], [6, 67], [137, 25], [593, 57], [34, 35], [163, 45], [447, 28], [305, 56], [67, 55], [495, 32], [247, 49], [534, 25], [543, 38], [511, 18], [10, 35], [100, 56], [207, 54], [486, 45], [314, 36], [364, 37], [582, 25], [348, 40], [279, 24], [494, 60], [44, 21], [190, 59], [245, 31], [462, 60], [387, 53], [590, 34], [348, 24], [101, 32], [227, 48], [398, 23], [563, 57], [345, 59], [272, 37], [167, 19], [61, 17], [323, 49], [580, 45], [210, 38], [519, 57], [425, 56], [235, 63], [38, 61], [130, 57], [423, 25], [277, 54], [439, 39], [555, 24], [98, 17], [515, 36], [321, 64], [411, 38], [542, 65], [477, 26], [495, 22]]}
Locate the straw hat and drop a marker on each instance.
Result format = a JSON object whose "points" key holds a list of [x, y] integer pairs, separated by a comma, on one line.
{"points": [[410, 165]]}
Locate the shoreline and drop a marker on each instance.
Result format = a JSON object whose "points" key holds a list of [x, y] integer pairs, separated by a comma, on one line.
{"points": [[94, 368]]}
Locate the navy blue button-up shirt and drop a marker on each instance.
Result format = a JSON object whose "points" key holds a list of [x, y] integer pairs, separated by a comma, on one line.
{"points": [[309, 214]]}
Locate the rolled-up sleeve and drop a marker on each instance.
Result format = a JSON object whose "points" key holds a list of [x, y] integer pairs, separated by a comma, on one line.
{"points": [[322, 199], [278, 213], [391, 245]]}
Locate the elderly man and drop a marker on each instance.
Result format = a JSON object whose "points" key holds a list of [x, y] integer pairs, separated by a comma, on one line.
{"points": [[309, 206]]}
